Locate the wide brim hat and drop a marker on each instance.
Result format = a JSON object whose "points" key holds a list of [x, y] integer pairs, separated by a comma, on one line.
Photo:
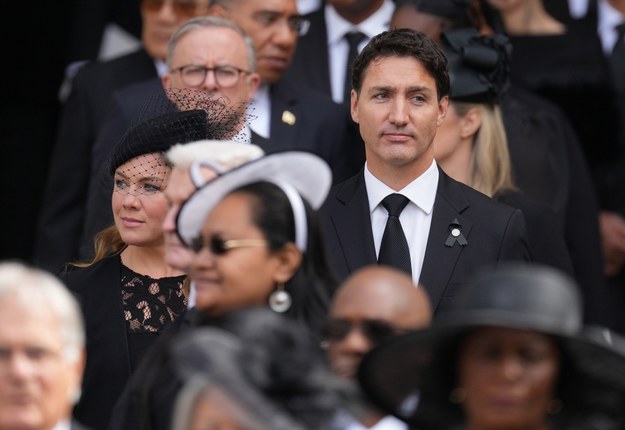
{"points": [[412, 376], [306, 172]]}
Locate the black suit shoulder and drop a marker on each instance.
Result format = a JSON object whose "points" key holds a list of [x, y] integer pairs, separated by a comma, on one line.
{"points": [[545, 231], [304, 118], [310, 65]]}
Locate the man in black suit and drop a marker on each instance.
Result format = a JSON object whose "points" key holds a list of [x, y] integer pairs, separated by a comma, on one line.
{"points": [[63, 209], [321, 60], [448, 230], [42, 350], [285, 111]]}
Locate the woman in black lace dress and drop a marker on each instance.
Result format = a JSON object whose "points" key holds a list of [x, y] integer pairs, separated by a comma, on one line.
{"points": [[129, 295]]}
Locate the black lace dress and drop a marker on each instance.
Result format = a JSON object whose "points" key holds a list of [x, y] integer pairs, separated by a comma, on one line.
{"points": [[149, 306]]}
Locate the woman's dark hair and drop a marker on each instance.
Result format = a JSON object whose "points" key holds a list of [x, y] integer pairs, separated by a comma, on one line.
{"points": [[404, 42], [313, 283]]}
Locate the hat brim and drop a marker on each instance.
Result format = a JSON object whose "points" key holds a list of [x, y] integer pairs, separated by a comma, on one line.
{"points": [[402, 376], [309, 174]]}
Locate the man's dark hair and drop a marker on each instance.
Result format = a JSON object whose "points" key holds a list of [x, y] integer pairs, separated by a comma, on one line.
{"points": [[404, 42]]}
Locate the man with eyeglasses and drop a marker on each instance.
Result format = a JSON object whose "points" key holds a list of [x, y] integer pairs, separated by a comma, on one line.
{"points": [[372, 305], [211, 66], [60, 230]]}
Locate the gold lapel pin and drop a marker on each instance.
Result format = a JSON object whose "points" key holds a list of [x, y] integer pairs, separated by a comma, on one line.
{"points": [[288, 117]]}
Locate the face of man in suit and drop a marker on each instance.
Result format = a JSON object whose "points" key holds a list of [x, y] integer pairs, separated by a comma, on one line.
{"points": [[373, 304], [160, 18], [398, 111], [39, 376], [177, 192], [273, 25], [214, 47]]}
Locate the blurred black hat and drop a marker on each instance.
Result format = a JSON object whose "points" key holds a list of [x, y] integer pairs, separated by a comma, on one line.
{"points": [[159, 134], [479, 65], [413, 375]]}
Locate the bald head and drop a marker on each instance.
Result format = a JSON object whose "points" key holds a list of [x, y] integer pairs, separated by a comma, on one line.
{"points": [[374, 303], [384, 293]]}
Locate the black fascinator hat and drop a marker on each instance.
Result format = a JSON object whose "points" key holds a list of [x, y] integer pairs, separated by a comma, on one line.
{"points": [[159, 134], [479, 65]]}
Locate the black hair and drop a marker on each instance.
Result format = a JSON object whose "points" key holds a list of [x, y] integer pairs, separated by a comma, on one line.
{"points": [[313, 283], [404, 42]]}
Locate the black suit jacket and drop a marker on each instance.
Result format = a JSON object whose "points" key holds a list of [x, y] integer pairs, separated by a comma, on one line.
{"points": [[311, 65], [98, 289], [75, 425], [310, 68], [63, 210], [494, 232]]}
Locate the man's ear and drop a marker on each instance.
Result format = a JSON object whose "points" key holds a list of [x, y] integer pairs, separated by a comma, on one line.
{"points": [[354, 106], [289, 260]]}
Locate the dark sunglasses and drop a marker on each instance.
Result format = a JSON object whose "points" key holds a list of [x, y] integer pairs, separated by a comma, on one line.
{"points": [[181, 7], [219, 246], [375, 330]]}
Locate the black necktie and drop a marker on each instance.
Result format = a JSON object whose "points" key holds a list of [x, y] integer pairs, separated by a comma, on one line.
{"points": [[353, 39], [617, 59], [394, 249]]}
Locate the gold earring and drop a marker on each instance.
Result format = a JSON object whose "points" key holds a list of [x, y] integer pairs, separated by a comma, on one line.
{"points": [[458, 395]]}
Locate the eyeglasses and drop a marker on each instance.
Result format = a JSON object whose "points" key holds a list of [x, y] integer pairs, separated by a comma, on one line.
{"points": [[180, 7], [193, 76], [375, 330], [219, 246]]}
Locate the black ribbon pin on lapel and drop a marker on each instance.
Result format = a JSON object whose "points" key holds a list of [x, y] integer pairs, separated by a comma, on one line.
{"points": [[455, 234]]}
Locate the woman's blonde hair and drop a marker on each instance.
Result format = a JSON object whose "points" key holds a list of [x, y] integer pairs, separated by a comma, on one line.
{"points": [[491, 169]]}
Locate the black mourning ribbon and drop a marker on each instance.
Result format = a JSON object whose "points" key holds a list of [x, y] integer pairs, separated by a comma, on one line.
{"points": [[455, 234]]}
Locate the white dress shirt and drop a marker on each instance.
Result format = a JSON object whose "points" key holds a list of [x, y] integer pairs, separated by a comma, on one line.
{"points": [[260, 112], [337, 27], [607, 19], [63, 425], [416, 217]]}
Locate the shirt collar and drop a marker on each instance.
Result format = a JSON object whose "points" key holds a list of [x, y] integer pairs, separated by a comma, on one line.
{"points": [[63, 425], [161, 67], [337, 26], [607, 19], [421, 191]]}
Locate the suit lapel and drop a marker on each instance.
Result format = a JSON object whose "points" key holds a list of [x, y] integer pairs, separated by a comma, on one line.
{"points": [[284, 114], [316, 47], [440, 260], [353, 224]]}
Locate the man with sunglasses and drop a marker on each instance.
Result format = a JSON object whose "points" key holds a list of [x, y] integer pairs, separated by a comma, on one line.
{"points": [[372, 305], [63, 208]]}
